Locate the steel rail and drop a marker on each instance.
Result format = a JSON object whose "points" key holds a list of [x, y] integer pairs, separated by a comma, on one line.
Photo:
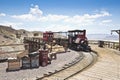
{"points": [[71, 69]]}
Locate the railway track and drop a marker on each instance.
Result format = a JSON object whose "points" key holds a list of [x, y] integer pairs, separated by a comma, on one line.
{"points": [[107, 66], [70, 70]]}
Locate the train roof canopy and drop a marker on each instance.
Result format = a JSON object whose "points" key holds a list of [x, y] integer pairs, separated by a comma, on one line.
{"points": [[76, 30]]}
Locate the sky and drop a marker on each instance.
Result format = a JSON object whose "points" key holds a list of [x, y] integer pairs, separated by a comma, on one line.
{"points": [[96, 16]]}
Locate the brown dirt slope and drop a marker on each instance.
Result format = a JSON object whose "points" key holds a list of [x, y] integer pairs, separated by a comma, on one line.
{"points": [[7, 35]]}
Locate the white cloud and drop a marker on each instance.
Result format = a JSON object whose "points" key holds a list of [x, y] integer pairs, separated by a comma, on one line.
{"points": [[58, 27], [36, 11], [79, 20], [15, 25], [33, 14], [51, 17], [25, 17], [55, 22], [107, 21], [101, 14], [87, 19], [2, 14]]}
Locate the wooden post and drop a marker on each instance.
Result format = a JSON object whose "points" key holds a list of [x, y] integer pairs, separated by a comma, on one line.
{"points": [[108, 44], [113, 45]]}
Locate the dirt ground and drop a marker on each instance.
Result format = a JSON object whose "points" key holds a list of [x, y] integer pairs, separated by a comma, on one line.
{"points": [[107, 67]]}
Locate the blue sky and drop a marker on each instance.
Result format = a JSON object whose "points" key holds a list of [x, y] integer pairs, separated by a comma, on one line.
{"points": [[96, 16]]}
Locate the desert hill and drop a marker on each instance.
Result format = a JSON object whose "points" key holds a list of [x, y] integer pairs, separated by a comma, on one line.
{"points": [[8, 35]]}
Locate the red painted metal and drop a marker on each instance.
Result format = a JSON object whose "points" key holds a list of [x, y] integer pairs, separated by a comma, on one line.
{"points": [[43, 57], [48, 36]]}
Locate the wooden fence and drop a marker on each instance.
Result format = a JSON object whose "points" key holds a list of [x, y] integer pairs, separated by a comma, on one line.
{"points": [[108, 44]]}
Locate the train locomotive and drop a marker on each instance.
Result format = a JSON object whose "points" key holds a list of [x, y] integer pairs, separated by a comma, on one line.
{"points": [[77, 40]]}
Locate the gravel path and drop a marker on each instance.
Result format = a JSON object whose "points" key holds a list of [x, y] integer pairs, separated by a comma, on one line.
{"points": [[32, 74]]}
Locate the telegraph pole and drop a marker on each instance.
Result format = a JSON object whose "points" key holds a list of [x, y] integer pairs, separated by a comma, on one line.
{"points": [[117, 31]]}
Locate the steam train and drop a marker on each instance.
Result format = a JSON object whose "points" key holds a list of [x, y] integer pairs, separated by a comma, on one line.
{"points": [[76, 40]]}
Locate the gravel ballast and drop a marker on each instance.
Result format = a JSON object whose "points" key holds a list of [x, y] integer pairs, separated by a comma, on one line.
{"points": [[32, 74]]}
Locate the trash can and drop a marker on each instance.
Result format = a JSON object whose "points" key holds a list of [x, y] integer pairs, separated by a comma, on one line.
{"points": [[34, 59], [43, 57], [25, 62], [13, 64], [100, 43]]}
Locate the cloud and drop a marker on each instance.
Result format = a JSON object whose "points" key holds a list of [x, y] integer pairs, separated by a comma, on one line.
{"points": [[77, 19], [15, 25], [107, 21], [33, 14], [25, 17], [56, 22], [58, 27], [87, 19], [98, 15], [36, 15], [52, 17], [2, 14], [36, 11]]}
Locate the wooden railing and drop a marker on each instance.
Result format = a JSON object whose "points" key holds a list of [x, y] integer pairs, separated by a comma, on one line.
{"points": [[108, 44]]}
